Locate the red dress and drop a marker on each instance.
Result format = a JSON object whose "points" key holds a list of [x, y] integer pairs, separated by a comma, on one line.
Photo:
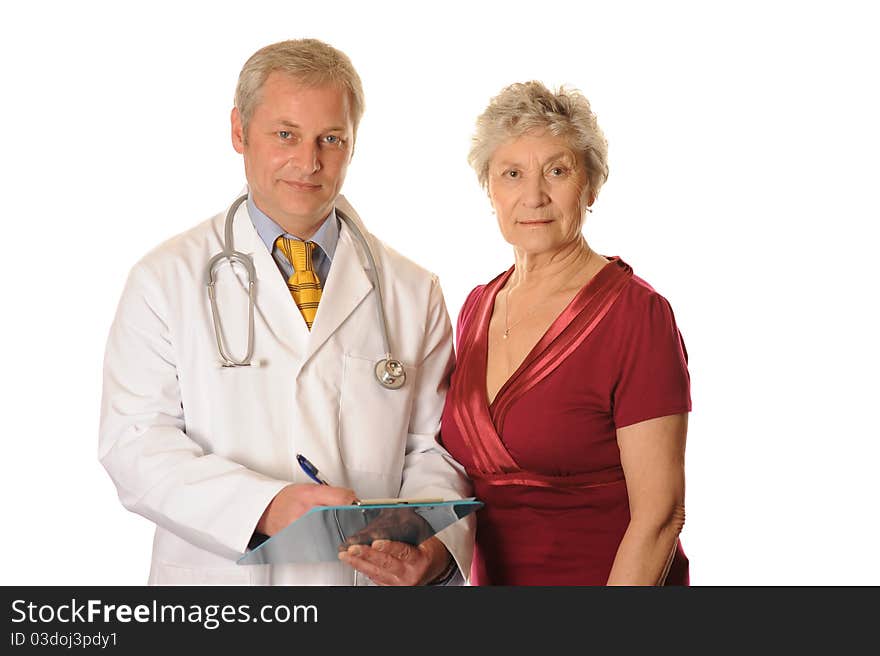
{"points": [[544, 456]]}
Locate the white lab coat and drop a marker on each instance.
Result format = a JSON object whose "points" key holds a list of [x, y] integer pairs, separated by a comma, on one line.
{"points": [[200, 450]]}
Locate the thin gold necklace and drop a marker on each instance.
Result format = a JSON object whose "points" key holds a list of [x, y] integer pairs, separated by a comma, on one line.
{"points": [[508, 326]]}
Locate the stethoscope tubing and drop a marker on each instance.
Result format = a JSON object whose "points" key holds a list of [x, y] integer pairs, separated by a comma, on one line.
{"points": [[390, 372]]}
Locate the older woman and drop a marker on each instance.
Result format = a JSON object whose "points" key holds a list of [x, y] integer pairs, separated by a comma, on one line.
{"points": [[568, 406]]}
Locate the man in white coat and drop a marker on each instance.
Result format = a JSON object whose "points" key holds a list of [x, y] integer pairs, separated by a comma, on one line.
{"points": [[207, 452]]}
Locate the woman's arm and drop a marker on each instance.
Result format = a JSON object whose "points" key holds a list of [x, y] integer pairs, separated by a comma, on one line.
{"points": [[652, 455]]}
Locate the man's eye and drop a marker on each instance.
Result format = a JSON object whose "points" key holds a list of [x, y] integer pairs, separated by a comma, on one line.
{"points": [[511, 174], [332, 139], [557, 171], [284, 134]]}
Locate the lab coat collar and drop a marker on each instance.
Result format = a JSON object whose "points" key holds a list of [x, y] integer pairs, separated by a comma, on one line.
{"points": [[347, 285]]}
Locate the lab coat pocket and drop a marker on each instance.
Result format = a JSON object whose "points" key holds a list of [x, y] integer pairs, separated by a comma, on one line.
{"points": [[373, 420], [167, 574]]}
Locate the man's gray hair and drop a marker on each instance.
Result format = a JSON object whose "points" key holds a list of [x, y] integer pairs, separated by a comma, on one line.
{"points": [[527, 106], [309, 61]]}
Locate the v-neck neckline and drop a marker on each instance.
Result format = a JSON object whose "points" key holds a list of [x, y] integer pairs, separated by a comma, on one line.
{"points": [[552, 332]]}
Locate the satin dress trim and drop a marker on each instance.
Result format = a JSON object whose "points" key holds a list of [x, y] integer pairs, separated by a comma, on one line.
{"points": [[481, 423]]}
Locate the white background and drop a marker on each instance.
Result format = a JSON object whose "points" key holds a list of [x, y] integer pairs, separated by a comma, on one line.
{"points": [[743, 150]]}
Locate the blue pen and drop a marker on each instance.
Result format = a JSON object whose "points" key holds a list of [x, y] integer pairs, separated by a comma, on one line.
{"points": [[310, 470]]}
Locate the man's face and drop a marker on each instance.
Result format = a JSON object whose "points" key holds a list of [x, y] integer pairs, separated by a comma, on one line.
{"points": [[296, 151]]}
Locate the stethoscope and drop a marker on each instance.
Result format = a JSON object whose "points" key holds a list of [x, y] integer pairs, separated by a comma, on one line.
{"points": [[389, 371]]}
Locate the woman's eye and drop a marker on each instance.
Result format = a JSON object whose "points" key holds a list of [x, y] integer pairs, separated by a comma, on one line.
{"points": [[557, 171], [284, 134], [511, 174], [331, 139]]}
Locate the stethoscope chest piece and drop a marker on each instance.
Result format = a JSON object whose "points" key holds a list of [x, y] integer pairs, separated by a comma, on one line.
{"points": [[390, 373]]}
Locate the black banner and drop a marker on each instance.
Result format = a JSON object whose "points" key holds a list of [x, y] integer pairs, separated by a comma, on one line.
{"points": [[398, 620]]}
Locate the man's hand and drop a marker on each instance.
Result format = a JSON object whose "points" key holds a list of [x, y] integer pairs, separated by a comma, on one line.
{"points": [[398, 563], [395, 524], [295, 500]]}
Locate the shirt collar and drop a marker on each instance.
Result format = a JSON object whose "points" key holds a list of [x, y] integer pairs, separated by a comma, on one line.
{"points": [[326, 237]]}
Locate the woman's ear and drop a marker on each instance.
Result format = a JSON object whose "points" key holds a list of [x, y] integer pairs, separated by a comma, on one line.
{"points": [[588, 197]]}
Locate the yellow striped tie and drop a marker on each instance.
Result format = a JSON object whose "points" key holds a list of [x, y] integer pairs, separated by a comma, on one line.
{"points": [[304, 284]]}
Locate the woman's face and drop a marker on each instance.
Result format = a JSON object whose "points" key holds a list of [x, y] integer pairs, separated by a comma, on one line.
{"points": [[538, 188]]}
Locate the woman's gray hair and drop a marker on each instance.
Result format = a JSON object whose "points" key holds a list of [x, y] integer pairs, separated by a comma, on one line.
{"points": [[527, 106], [311, 62]]}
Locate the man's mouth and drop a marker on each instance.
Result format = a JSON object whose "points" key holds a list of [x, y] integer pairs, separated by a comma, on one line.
{"points": [[302, 186]]}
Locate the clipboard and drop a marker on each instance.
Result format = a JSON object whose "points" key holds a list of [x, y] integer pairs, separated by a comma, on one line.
{"points": [[324, 531]]}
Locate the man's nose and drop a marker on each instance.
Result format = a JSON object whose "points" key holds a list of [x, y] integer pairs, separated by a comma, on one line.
{"points": [[306, 158]]}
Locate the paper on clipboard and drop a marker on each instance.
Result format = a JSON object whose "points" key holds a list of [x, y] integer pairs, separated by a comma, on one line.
{"points": [[321, 533], [394, 502]]}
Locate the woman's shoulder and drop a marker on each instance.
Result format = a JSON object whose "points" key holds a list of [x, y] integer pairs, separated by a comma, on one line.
{"points": [[472, 302], [638, 294], [473, 297], [641, 293], [640, 303]]}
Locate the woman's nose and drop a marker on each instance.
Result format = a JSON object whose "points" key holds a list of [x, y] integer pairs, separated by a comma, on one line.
{"points": [[535, 193]]}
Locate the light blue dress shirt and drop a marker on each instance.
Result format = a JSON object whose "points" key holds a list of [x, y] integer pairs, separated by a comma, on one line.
{"points": [[325, 238]]}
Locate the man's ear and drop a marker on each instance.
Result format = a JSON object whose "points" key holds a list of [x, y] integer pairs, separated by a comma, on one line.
{"points": [[237, 131]]}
